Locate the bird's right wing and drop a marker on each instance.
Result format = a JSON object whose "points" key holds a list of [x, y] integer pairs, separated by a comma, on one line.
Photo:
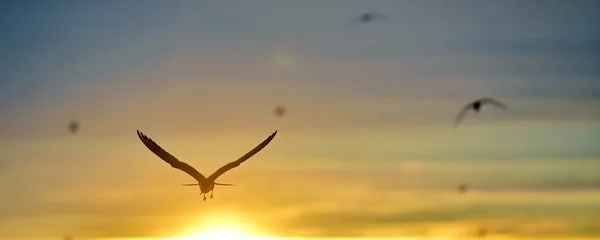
{"points": [[462, 114], [170, 159], [495, 103], [240, 160]]}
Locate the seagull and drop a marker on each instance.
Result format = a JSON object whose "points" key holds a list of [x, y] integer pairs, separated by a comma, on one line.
{"points": [[368, 17], [476, 106], [205, 184]]}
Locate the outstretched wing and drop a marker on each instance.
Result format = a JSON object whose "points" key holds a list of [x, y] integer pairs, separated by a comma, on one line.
{"points": [[246, 156], [494, 102], [462, 114], [170, 159]]}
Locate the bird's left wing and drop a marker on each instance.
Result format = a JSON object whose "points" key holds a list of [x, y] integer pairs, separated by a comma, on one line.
{"points": [[246, 156], [170, 159]]}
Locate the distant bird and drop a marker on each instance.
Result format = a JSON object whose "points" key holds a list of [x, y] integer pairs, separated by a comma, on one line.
{"points": [[368, 17], [73, 126], [482, 232], [280, 111], [476, 106], [205, 184], [463, 188]]}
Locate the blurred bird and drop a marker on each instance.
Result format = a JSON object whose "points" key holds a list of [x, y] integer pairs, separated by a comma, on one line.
{"points": [[482, 232], [73, 126], [368, 17], [476, 106], [280, 111], [205, 184], [463, 188]]}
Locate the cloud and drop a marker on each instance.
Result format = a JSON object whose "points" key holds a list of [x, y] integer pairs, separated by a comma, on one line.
{"points": [[537, 46], [575, 216]]}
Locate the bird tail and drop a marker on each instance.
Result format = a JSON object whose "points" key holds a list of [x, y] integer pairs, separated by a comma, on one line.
{"points": [[190, 184], [226, 184]]}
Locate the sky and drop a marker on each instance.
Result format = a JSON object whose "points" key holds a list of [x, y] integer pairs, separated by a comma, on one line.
{"points": [[366, 149]]}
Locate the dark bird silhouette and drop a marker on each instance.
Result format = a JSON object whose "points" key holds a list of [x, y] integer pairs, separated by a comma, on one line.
{"points": [[280, 111], [73, 126], [369, 17], [205, 184], [476, 106]]}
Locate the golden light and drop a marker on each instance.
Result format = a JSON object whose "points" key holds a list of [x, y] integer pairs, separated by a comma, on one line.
{"points": [[225, 233], [221, 227]]}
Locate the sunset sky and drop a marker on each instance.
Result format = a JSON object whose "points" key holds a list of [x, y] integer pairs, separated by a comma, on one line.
{"points": [[367, 147]]}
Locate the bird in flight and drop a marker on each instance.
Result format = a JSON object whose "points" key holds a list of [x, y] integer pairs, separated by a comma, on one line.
{"points": [[279, 111], [205, 184], [368, 17], [73, 126], [476, 106]]}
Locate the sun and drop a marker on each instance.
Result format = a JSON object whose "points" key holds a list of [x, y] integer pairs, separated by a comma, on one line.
{"points": [[222, 228], [225, 233], [220, 233]]}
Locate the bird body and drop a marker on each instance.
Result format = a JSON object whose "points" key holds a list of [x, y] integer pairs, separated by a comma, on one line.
{"points": [[476, 107], [366, 17], [279, 111], [73, 126], [205, 184], [369, 17]]}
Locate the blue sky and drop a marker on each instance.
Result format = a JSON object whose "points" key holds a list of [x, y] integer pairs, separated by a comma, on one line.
{"points": [[370, 108]]}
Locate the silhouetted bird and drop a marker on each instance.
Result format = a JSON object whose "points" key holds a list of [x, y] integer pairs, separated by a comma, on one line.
{"points": [[73, 127], [476, 106], [463, 188], [206, 184], [368, 17], [279, 111]]}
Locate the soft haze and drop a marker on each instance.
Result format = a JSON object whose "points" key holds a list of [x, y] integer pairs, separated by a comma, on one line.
{"points": [[366, 147]]}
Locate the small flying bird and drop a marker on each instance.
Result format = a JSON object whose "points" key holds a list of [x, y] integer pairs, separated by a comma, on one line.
{"points": [[280, 111], [476, 106], [368, 17], [73, 126], [205, 184]]}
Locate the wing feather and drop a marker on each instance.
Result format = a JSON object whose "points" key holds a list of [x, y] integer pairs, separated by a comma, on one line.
{"points": [[240, 160], [170, 159]]}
